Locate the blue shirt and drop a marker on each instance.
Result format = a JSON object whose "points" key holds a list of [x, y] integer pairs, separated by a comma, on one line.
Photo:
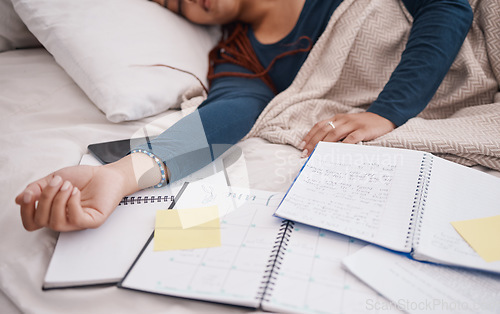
{"points": [[312, 21], [234, 103]]}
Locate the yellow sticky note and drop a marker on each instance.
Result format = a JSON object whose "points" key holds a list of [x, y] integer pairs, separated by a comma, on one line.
{"points": [[483, 235], [186, 229]]}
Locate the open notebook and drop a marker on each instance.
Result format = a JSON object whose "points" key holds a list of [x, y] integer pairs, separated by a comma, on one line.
{"points": [[102, 256], [401, 199], [263, 261]]}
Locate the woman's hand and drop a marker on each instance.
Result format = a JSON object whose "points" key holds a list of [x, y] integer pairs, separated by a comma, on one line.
{"points": [[348, 128], [76, 198]]}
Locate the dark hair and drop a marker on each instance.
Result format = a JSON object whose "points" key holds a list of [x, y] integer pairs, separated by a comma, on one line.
{"points": [[235, 47]]}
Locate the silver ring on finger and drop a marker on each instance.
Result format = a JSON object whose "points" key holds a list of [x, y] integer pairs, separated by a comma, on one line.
{"points": [[330, 123]]}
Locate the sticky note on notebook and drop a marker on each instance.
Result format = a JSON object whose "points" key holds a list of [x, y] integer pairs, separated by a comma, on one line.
{"points": [[483, 235], [185, 229]]}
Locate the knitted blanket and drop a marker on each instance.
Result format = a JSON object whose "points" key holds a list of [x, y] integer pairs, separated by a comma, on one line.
{"points": [[352, 61]]}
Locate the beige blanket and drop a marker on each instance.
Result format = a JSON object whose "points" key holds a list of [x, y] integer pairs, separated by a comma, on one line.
{"points": [[352, 61]]}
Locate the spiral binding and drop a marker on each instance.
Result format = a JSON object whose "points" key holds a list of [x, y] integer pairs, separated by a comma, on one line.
{"points": [[419, 201], [132, 200], [275, 261]]}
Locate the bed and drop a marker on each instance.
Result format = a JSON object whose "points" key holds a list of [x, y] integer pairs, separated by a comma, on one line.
{"points": [[50, 111]]}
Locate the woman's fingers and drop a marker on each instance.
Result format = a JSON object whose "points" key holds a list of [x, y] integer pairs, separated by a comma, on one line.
{"points": [[76, 217], [44, 207], [58, 215], [57, 203], [349, 128], [309, 135], [28, 201], [59, 208], [331, 130], [316, 134], [44, 204], [80, 217], [355, 137]]}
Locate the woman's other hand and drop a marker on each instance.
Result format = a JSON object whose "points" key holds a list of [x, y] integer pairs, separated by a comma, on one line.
{"points": [[349, 128]]}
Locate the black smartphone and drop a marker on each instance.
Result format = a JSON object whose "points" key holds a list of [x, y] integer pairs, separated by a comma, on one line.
{"points": [[108, 152]]}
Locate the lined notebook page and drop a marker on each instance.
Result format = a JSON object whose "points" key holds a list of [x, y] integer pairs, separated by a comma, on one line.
{"points": [[232, 273], [361, 191], [456, 193]]}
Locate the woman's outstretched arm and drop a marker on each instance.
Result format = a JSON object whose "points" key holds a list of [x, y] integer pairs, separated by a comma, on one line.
{"points": [[83, 197], [228, 114]]}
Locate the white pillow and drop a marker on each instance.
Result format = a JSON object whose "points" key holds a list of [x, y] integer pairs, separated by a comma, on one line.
{"points": [[13, 32], [107, 47]]}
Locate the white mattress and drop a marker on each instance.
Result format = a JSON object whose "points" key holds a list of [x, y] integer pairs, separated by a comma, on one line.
{"points": [[46, 123]]}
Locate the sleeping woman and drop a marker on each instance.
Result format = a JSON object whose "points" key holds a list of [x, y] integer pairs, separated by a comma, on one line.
{"points": [[264, 44]]}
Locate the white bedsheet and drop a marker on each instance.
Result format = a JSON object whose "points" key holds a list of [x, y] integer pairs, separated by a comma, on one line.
{"points": [[46, 123]]}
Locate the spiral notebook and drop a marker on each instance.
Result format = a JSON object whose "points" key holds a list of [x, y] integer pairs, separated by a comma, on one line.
{"points": [[404, 200], [264, 261], [103, 255]]}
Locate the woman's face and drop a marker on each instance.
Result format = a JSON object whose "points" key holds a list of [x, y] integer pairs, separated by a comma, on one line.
{"points": [[207, 12]]}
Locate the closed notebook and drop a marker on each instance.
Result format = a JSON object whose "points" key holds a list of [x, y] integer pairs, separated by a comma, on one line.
{"points": [[103, 255]]}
